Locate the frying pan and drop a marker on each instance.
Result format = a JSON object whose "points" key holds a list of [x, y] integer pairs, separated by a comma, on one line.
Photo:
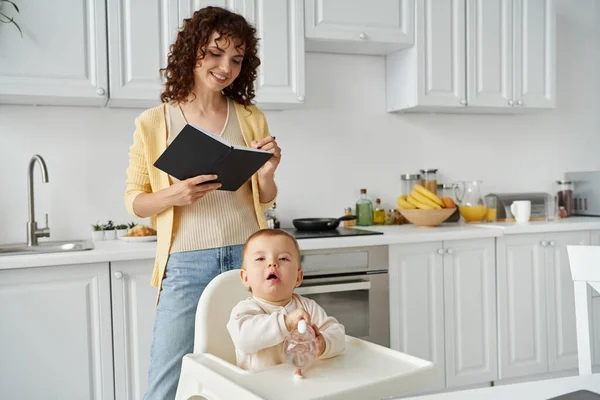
{"points": [[320, 224]]}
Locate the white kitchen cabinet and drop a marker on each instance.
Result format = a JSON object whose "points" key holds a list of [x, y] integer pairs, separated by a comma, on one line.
{"points": [[492, 56], [595, 311], [431, 74], [490, 53], [443, 308], [536, 324], [535, 54], [55, 339], [133, 308], [280, 27], [61, 58], [417, 304], [562, 335], [470, 312], [375, 27], [139, 35]]}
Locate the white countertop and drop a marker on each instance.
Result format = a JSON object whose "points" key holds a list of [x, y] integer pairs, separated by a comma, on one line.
{"points": [[117, 250]]}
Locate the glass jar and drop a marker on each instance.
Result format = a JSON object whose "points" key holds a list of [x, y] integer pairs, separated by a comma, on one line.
{"points": [[390, 217], [429, 180], [364, 209], [564, 194], [348, 211], [408, 182], [271, 217]]}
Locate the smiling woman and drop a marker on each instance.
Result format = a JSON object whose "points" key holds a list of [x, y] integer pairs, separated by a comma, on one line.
{"points": [[210, 78]]}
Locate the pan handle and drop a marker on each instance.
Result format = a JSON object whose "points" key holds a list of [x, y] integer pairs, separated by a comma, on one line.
{"points": [[334, 223]]}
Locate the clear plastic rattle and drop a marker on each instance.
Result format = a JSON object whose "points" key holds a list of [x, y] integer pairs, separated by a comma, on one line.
{"points": [[300, 348]]}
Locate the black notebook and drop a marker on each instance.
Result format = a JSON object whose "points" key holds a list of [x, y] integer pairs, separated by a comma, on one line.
{"points": [[198, 152]]}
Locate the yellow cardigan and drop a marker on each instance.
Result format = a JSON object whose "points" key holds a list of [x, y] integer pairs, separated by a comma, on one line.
{"points": [[149, 141]]}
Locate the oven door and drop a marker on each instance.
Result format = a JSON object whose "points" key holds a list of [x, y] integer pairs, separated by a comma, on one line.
{"points": [[359, 302]]}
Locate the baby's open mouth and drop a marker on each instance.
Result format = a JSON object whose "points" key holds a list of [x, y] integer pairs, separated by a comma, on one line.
{"points": [[272, 276]]}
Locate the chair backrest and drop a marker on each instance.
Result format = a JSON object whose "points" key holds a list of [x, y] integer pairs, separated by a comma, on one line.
{"points": [[585, 270], [214, 307]]}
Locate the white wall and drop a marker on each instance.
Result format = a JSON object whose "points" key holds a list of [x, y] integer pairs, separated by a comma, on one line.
{"points": [[340, 141]]}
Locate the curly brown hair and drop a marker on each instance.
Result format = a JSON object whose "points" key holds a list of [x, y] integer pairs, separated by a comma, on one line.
{"points": [[189, 49]]}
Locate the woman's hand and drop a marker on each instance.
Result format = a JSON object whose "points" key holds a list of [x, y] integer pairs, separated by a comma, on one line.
{"points": [[268, 144], [183, 193]]}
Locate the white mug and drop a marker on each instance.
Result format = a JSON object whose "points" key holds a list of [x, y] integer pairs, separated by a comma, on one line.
{"points": [[521, 210]]}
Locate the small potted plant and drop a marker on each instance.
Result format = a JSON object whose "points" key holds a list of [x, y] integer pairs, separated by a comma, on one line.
{"points": [[97, 232], [131, 225], [109, 231], [121, 230]]}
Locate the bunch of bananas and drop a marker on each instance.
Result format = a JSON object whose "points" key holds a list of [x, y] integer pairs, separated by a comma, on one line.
{"points": [[423, 199]]}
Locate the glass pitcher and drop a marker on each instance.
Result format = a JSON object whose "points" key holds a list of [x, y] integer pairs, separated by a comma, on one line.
{"points": [[471, 204]]}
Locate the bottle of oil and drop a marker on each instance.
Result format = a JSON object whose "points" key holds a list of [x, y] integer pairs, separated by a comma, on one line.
{"points": [[378, 213], [364, 209]]}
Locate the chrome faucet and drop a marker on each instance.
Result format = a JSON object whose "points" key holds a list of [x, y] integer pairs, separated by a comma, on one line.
{"points": [[33, 233]]}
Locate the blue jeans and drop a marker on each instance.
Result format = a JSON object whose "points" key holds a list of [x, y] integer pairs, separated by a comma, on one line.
{"points": [[186, 276]]}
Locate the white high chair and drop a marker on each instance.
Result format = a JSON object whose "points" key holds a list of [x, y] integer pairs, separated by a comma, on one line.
{"points": [[364, 371], [585, 270]]}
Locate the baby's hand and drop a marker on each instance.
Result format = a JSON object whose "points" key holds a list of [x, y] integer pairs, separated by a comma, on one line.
{"points": [[320, 341], [292, 319]]}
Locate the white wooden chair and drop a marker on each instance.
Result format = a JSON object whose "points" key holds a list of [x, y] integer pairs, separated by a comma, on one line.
{"points": [[585, 270], [364, 371]]}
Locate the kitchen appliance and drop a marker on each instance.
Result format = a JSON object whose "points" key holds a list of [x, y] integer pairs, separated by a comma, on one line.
{"points": [[339, 232], [504, 200], [320, 223], [586, 192], [351, 284]]}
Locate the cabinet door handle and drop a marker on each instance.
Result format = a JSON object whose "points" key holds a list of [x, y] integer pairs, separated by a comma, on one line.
{"points": [[552, 243], [543, 243], [300, 98], [510, 103], [450, 251], [100, 92], [118, 275], [463, 102], [440, 251], [519, 102], [362, 35]]}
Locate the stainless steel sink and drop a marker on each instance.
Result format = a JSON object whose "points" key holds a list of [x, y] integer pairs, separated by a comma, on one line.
{"points": [[46, 247]]}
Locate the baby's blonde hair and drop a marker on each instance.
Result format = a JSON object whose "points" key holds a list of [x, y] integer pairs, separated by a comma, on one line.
{"points": [[270, 233]]}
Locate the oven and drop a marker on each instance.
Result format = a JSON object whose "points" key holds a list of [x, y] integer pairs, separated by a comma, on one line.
{"points": [[351, 285]]}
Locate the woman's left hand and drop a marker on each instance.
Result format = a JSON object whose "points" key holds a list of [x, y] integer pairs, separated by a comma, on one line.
{"points": [[268, 144]]}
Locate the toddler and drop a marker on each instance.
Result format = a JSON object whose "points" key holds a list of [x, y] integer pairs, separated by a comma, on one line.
{"points": [[271, 270]]}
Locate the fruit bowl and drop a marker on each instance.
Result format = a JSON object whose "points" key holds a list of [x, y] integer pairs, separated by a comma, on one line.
{"points": [[427, 217]]}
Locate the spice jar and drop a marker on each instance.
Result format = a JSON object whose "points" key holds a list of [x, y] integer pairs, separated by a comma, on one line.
{"points": [[390, 217], [408, 182], [348, 211], [398, 218], [429, 179], [564, 194]]}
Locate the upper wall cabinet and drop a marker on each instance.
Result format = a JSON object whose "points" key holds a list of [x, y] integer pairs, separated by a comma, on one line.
{"points": [[139, 35], [476, 56], [280, 27], [361, 27], [61, 58]]}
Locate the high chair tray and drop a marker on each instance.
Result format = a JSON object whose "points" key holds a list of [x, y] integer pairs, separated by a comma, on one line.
{"points": [[364, 371]]}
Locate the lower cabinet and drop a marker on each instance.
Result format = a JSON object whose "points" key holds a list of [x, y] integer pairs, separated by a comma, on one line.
{"points": [[443, 308], [133, 309], [55, 333], [536, 306]]}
